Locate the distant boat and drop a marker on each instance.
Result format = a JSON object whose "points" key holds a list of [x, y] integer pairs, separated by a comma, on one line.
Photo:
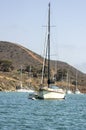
{"points": [[25, 90], [20, 87], [76, 89], [68, 85], [69, 92], [49, 92]]}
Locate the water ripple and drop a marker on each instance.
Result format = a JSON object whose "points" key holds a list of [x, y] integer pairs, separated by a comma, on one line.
{"points": [[17, 112]]}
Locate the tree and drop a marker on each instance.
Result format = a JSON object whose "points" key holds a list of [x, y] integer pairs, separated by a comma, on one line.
{"points": [[61, 74], [6, 65]]}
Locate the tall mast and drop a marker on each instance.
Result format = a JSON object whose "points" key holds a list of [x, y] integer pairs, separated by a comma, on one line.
{"points": [[76, 79], [49, 45], [21, 77]]}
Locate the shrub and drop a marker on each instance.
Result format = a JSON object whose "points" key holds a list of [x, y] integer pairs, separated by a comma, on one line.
{"points": [[6, 65]]}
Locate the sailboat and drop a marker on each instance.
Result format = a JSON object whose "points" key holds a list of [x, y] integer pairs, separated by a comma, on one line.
{"points": [[49, 92], [77, 90], [20, 88], [68, 85]]}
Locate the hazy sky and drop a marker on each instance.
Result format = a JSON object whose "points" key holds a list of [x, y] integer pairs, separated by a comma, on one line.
{"points": [[22, 21]]}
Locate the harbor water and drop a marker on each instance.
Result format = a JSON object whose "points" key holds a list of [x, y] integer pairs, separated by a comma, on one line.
{"points": [[17, 112]]}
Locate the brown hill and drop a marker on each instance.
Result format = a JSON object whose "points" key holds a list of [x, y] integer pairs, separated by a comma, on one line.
{"points": [[21, 56], [18, 54]]}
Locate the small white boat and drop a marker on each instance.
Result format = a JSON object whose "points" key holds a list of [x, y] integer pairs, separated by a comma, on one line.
{"points": [[69, 92], [77, 91], [20, 87], [25, 90]]}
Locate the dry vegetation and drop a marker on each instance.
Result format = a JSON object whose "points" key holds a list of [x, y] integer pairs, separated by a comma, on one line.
{"points": [[13, 56]]}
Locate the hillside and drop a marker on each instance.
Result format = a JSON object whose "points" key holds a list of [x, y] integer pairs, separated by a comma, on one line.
{"points": [[18, 56]]}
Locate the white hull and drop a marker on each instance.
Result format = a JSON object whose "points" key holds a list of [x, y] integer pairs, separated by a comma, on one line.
{"points": [[77, 92], [69, 92], [24, 90], [51, 94]]}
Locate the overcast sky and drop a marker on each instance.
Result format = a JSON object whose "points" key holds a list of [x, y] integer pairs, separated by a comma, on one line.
{"points": [[23, 21]]}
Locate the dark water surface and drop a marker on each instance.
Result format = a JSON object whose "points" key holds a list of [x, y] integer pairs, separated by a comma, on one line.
{"points": [[17, 112]]}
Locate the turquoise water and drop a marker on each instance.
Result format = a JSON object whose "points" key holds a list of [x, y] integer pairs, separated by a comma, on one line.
{"points": [[17, 112]]}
